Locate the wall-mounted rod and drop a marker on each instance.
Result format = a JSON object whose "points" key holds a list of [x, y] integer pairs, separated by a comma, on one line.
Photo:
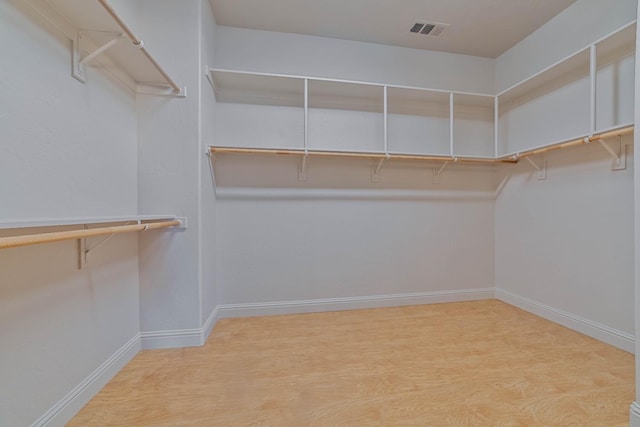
{"points": [[618, 132], [32, 239], [363, 155]]}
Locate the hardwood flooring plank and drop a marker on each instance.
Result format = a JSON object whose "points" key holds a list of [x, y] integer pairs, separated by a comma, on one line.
{"points": [[481, 363]]}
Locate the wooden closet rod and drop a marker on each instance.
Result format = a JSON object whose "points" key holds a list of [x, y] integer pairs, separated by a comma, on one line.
{"points": [[594, 138], [356, 155], [32, 239]]}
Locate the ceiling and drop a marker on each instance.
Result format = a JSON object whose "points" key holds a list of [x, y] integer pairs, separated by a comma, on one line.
{"points": [[478, 27]]}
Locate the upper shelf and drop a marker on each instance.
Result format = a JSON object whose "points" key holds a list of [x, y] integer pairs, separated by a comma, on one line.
{"points": [[258, 89], [619, 43], [281, 89], [571, 68], [97, 30]]}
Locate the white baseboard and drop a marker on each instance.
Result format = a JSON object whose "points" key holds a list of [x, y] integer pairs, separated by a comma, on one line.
{"points": [[66, 408], [588, 327], [634, 415], [69, 405], [351, 303], [179, 338]]}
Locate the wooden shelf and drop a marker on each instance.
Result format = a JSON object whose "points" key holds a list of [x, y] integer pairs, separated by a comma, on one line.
{"points": [[91, 24]]}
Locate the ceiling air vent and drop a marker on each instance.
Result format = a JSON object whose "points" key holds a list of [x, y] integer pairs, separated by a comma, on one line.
{"points": [[433, 29]]}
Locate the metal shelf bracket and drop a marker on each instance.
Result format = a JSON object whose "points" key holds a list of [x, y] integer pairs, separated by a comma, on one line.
{"points": [[618, 153], [78, 71], [211, 160], [84, 249], [149, 89], [303, 170], [375, 169], [541, 168], [438, 172]]}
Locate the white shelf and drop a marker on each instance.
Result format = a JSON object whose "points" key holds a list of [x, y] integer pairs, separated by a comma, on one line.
{"points": [[615, 59], [619, 44], [259, 89], [473, 126], [345, 96], [418, 121], [563, 102], [93, 23], [569, 69]]}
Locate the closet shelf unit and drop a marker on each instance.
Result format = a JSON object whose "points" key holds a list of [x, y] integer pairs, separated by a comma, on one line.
{"points": [[301, 115], [100, 35], [585, 97]]}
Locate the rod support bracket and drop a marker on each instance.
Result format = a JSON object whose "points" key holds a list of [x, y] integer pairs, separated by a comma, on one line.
{"points": [[375, 169], [541, 168], [150, 89], [437, 172], [303, 170], [79, 62], [618, 153]]}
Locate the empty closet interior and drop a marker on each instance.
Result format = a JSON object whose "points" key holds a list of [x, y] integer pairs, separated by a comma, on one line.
{"points": [[162, 170]]}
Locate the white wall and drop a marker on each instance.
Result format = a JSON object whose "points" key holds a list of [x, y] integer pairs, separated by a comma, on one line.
{"points": [[338, 235], [635, 407], [567, 241], [169, 170], [209, 296], [68, 150], [582, 23], [564, 245]]}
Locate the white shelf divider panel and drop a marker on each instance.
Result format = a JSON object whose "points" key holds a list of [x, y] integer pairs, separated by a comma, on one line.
{"points": [[418, 122], [345, 116], [553, 105], [473, 126], [259, 111], [615, 79], [102, 39]]}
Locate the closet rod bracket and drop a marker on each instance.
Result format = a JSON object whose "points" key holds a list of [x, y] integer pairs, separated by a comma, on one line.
{"points": [[375, 169], [303, 170], [158, 90], [440, 170], [84, 249], [618, 153], [211, 159], [79, 62], [541, 168]]}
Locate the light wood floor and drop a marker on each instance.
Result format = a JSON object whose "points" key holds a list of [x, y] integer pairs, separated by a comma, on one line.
{"points": [[479, 363]]}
